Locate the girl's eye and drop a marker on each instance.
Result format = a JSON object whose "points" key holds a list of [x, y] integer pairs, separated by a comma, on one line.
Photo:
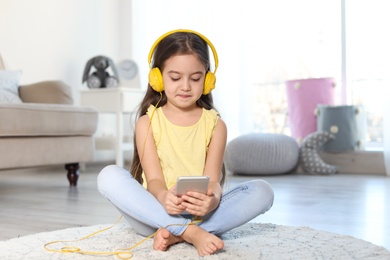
{"points": [[177, 79]]}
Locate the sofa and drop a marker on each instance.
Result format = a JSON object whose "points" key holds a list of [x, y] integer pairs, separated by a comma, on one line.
{"points": [[40, 125]]}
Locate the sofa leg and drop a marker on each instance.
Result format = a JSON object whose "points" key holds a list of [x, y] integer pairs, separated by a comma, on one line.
{"points": [[73, 173]]}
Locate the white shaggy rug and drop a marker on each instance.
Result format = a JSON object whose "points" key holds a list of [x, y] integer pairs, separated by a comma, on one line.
{"points": [[250, 241]]}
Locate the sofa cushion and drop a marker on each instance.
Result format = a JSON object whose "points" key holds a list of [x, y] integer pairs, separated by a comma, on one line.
{"points": [[28, 119], [43, 150], [46, 92], [9, 85]]}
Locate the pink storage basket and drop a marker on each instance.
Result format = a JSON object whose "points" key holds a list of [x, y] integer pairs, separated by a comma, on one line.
{"points": [[303, 96]]}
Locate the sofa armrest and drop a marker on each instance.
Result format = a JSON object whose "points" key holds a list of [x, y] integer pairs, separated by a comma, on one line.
{"points": [[49, 92]]}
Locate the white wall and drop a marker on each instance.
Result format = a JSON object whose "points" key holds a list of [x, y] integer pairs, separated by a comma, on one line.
{"points": [[53, 40]]}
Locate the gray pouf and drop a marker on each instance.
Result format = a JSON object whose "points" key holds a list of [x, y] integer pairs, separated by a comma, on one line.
{"points": [[262, 154]]}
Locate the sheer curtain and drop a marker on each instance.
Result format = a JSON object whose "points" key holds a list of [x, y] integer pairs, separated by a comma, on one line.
{"points": [[368, 55]]}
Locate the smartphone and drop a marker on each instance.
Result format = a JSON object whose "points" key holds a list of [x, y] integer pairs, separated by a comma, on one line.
{"points": [[192, 183]]}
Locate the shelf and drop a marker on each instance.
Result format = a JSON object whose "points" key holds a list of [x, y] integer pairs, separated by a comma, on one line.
{"points": [[119, 101]]}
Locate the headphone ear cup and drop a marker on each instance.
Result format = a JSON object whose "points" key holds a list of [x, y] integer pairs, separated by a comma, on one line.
{"points": [[156, 80], [209, 83]]}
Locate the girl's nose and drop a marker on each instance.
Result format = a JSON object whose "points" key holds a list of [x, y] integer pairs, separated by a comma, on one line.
{"points": [[186, 85]]}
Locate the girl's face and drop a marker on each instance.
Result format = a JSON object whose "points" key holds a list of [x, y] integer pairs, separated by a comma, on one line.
{"points": [[183, 77]]}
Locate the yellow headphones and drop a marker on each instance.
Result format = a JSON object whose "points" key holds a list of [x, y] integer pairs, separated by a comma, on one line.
{"points": [[155, 76]]}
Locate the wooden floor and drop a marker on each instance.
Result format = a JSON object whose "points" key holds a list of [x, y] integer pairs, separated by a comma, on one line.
{"points": [[40, 200]]}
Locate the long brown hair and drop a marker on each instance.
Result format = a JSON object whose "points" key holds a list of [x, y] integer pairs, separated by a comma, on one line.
{"points": [[178, 43]]}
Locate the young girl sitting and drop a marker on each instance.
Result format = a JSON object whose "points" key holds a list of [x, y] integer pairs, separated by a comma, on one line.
{"points": [[179, 133]]}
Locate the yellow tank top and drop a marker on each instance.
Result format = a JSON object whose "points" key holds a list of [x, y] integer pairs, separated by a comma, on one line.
{"points": [[182, 150]]}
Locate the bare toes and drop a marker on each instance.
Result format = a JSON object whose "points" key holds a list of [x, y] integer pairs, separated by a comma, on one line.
{"points": [[163, 239]]}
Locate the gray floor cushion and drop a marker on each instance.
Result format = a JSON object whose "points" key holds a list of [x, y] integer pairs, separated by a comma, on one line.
{"points": [[262, 154]]}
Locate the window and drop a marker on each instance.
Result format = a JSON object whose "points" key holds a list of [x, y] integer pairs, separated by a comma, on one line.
{"points": [[298, 43], [261, 44], [368, 59]]}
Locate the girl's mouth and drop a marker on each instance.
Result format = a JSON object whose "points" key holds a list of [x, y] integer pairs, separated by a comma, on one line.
{"points": [[184, 96]]}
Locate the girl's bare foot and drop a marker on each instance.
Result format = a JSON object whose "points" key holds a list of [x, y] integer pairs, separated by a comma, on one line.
{"points": [[205, 243], [163, 239]]}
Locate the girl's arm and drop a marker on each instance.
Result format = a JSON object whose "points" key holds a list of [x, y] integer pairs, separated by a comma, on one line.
{"points": [[151, 166], [215, 156], [199, 204]]}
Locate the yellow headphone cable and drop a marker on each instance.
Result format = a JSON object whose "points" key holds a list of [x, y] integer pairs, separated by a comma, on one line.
{"points": [[122, 253]]}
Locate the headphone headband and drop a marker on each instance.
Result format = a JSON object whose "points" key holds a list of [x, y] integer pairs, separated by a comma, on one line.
{"points": [[162, 37]]}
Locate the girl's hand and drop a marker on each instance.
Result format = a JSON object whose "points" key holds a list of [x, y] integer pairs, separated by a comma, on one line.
{"points": [[172, 203], [200, 204]]}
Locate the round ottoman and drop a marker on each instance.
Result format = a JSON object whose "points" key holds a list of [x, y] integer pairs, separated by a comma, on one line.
{"points": [[262, 154]]}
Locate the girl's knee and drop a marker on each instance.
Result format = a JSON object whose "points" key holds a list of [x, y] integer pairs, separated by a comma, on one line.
{"points": [[106, 172], [107, 176], [265, 192]]}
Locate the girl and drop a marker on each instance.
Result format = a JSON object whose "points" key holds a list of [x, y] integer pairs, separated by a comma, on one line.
{"points": [[179, 133]]}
